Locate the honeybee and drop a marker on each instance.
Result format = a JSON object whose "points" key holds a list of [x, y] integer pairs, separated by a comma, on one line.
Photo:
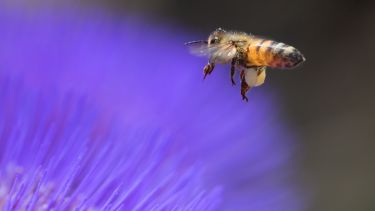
{"points": [[247, 53]]}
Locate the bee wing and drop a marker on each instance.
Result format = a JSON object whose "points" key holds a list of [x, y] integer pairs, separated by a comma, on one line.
{"points": [[201, 48], [224, 53]]}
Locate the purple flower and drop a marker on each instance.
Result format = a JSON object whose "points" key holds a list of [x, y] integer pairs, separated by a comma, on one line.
{"points": [[55, 154], [142, 76]]}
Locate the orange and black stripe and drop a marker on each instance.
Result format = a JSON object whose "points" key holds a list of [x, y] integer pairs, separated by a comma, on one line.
{"points": [[262, 52]]}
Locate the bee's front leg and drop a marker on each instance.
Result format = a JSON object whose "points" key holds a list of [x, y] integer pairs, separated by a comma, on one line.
{"points": [[208, 69], [232, 71], [244, 86]]}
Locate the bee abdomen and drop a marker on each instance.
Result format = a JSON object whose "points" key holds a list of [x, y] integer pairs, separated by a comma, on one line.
{"points": [[273, 54], [285, 56]]}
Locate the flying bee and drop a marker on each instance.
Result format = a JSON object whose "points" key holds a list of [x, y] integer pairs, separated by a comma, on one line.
{"points": [[247, 53]]}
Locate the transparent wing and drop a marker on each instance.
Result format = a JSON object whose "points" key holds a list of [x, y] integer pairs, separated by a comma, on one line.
{"points": [[224, 54], [199, 48], [214, 51]]}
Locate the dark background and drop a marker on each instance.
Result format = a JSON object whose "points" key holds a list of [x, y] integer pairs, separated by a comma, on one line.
{"points": [[329, 101]]}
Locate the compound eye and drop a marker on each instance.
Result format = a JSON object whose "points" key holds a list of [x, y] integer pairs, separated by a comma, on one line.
{"points": [[214, 40]]}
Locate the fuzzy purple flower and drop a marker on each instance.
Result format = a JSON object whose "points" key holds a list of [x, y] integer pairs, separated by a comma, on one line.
{"points": [[56, 155], [142, 76]]}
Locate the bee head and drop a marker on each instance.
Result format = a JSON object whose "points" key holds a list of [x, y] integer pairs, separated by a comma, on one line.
{"points": [[216, 36]]}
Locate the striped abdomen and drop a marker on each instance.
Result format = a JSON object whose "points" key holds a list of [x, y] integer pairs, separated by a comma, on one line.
{"points": [[263, 52]]}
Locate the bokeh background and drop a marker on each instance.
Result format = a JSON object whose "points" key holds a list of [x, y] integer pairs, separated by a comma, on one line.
{"points": [[328, 102]]}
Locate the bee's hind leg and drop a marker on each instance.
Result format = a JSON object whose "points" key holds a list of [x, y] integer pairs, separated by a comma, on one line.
{"points": [[232, 71], [208, 69], [244, 86]]}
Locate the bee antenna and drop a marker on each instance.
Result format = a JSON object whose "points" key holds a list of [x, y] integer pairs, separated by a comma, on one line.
{"points": [[196, 42]]}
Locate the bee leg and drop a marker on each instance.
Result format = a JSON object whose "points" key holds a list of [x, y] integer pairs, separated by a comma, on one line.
{"points": [[244, 86], [208, 69], [232, 71]]}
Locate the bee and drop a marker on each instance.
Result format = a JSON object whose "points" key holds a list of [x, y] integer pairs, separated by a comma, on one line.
{"points": [[249, 54]]}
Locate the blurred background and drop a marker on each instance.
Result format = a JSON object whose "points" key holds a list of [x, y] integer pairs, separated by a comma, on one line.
{"points": [[328, 101]]}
